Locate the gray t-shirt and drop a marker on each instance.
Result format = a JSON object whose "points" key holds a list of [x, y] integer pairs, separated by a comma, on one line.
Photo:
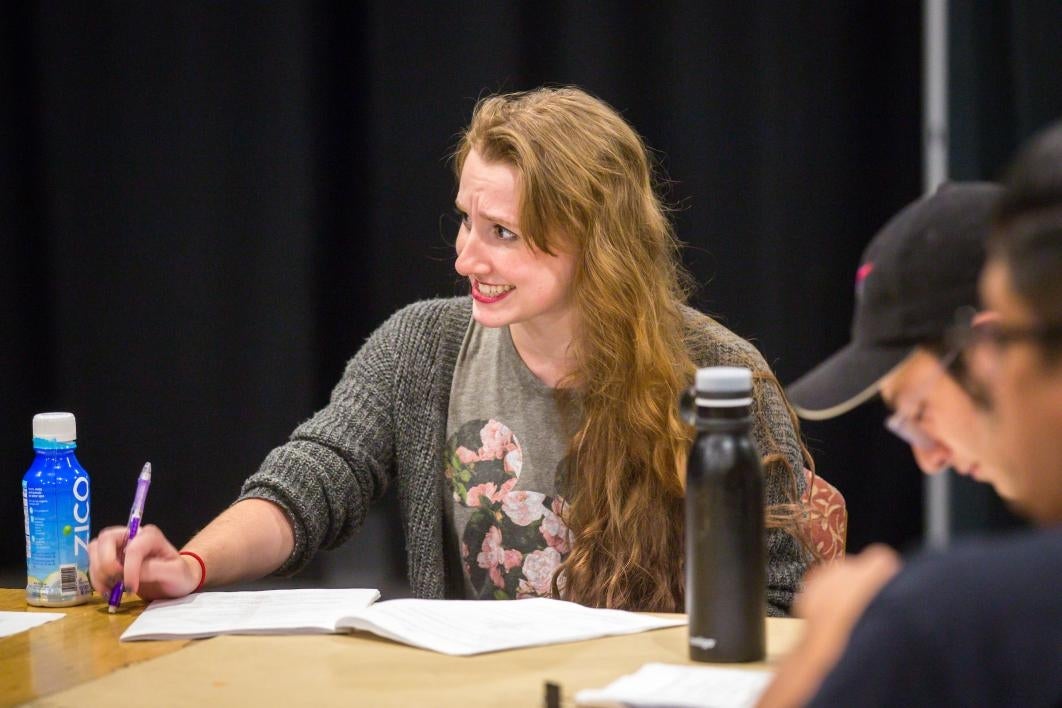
{"points": [[505, 448]]}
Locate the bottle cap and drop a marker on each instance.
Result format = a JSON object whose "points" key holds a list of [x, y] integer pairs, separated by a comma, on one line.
{"points": [[57, 427], [724, 386]]}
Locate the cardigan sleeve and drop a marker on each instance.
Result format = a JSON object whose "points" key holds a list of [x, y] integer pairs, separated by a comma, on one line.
{"points": [[341, 459], [783, 474], [711, 344]]}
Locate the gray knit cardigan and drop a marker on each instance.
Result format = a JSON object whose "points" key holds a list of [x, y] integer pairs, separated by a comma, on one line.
{"points": [[386, 423]]}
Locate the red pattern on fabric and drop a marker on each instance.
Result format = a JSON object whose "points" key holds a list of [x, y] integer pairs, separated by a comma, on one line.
{"points": [[827, 517]]}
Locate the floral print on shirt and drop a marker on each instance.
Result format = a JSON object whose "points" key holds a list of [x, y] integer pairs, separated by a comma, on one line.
{"points": [[515, 539]]}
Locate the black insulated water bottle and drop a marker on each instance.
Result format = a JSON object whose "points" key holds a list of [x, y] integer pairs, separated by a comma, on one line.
{"points": [[725, 548]]}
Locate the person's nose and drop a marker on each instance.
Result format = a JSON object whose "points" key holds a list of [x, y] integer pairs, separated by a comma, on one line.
{"points": [[470, 256], [932, 458]]}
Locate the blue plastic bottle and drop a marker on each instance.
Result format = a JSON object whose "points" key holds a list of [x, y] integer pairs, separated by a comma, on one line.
{"points": [[55, 502]]}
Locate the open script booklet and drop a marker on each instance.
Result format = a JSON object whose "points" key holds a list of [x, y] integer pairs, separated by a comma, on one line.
{"points": [[458, 627]]}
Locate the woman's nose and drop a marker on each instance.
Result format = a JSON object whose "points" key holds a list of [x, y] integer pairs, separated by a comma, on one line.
{"points": [[932, 458], [469, 257]]}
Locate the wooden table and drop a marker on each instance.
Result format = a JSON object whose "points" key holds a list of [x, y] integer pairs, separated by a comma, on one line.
{"points": [[82, 646], [82, 655]]}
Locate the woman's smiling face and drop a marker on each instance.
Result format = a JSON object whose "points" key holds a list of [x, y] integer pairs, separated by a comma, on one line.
{"points": [[511, 282]]}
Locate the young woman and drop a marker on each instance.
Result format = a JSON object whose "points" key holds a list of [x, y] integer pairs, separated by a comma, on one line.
{"points": [[532, 427]]}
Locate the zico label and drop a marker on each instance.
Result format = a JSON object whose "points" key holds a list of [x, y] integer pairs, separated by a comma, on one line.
{"points": [[57, 536]]}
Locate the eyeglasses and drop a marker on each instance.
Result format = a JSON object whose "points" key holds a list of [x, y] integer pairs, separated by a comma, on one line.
{"points": [[990, 341], [1001, 336]]}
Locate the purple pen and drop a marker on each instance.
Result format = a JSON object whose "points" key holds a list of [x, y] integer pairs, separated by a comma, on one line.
{"points": [[135, 514]]}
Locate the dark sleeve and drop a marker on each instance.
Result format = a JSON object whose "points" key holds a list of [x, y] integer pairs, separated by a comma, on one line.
{"points": [[339, 460], [975, 626]]}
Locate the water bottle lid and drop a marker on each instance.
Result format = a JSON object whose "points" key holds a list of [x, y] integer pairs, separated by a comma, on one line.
{"points": [[58, 427], [724, 386]]}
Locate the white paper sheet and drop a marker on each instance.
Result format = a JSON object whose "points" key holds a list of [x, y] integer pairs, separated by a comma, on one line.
{"points": [[15, 622], [465, 627], [308, 611], [679, 686], [458, 627]]}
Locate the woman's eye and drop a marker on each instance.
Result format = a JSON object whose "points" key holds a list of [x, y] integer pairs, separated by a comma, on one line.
{"points": [[463, 218], [504, 234]]}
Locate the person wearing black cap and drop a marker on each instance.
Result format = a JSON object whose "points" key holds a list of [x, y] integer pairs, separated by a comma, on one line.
{"points": [[916, 297], [979, 624]]}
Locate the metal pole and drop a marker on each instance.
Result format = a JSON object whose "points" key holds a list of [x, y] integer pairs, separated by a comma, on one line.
{"points": [[936, 488]]}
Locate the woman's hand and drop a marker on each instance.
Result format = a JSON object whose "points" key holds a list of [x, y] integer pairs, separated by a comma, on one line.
{"points": [[149, 565], [250, 539]]}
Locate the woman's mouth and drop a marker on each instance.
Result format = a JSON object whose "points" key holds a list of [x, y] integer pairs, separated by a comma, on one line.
{"points": [[487, 293]]}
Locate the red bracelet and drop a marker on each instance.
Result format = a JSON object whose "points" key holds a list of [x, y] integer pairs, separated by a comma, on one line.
{"points": [[202, 567]]}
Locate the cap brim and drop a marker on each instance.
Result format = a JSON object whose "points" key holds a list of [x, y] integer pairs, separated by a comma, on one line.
{"points": [[848, 378]]}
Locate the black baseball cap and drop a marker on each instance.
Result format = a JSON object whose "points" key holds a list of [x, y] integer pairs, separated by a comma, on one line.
{"points": [[918, 270]]}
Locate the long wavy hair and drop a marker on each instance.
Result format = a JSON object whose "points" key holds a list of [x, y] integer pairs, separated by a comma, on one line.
{"points": [[586, 185]]}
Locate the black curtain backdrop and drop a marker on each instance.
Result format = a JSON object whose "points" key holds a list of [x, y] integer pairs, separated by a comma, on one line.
{"points": [[206, 207]]}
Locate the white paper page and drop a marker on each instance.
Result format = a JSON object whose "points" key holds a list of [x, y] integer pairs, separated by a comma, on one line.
{"points": [[15, 622], [464, 627], [310, 611], [680, 686]]}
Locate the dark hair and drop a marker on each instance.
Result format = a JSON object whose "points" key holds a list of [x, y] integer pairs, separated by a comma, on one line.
{"points": [[1027, 226]]}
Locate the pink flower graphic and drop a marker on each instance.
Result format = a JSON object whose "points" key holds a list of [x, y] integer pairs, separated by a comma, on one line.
{"points": [[512, 549], [466, 456], [513, 558], [505, 489], [555, 532], [496, 577], [492, 554], [538, 571], [497, 440], [495, 557], [487, 490], [514, 460], [524, 508]]}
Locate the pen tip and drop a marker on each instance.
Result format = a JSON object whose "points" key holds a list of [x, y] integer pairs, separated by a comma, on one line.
{"points": [[146, 471], [111, 609]]}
